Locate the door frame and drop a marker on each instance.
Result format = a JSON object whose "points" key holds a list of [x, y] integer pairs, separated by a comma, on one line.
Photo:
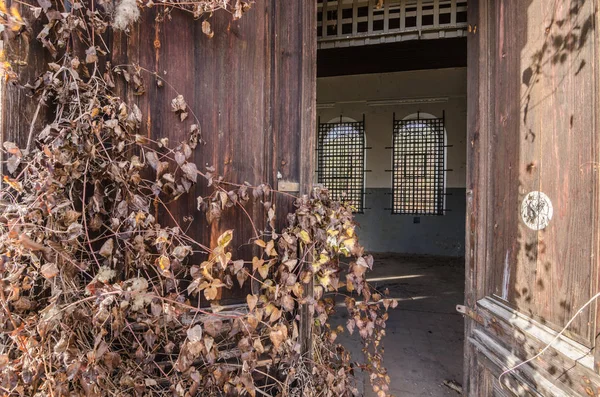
{"points": [[476, 183]]}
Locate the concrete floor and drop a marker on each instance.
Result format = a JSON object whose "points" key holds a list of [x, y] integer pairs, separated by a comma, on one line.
{"points": [[424, 341]]}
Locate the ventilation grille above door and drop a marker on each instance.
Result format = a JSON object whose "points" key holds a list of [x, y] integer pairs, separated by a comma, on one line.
{"points": [[342, 23]]}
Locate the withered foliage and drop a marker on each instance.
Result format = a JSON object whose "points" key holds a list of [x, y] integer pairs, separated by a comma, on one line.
{"points": [[99, 298]]}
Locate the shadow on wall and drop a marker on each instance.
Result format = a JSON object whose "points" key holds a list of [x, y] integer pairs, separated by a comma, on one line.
{"points": [[380, 231]]}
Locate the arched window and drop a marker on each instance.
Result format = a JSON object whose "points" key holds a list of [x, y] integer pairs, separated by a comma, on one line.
{"points": [[341, 160], [418, 181]]}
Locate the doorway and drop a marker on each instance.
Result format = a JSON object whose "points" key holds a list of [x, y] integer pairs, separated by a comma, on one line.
{"points": [[406, 177]]}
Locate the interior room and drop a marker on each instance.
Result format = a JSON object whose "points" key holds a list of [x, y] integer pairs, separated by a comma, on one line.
{"points": [[391, 141]]}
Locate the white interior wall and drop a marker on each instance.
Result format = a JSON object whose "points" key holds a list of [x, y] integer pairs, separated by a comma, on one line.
{"points": [[378, 96]]}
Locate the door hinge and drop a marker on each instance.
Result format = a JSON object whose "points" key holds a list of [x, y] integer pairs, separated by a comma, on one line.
{"points": [[472, 314]]}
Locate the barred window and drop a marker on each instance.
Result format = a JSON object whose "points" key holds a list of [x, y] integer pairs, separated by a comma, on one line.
{"points": [[341, 160], [418, 180]]}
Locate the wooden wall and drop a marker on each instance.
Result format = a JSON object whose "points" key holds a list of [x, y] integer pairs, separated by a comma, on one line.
{"points": [[252, 87]]}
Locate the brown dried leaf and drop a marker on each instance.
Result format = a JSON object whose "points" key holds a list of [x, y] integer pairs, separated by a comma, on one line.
{"points": [[252, 301], [12, 164], [11, 148], [241, 276], [91, 55], [225, 238], [152, 159], [207, 29], [287, 302], [278, 335], [191, 171], [270, 248], [194, 334], [213, 326], [178, 104], [107, 248], [49, 270]]}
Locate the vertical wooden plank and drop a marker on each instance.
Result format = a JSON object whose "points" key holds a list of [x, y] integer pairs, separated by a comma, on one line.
{"points": [[339, 17], [453, 12], [478, 121], [235, 61], [386, 16], [596, 205], [22, 116], [324, 19], [436, 13], [294, 84], [419, 14], [402, 15], [308, 109], [370, 18], [566, 110], [354, 17], [2, 130]]}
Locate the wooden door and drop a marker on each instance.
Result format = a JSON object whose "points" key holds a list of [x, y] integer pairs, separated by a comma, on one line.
{"points": [[252, 87], [533, 197]]}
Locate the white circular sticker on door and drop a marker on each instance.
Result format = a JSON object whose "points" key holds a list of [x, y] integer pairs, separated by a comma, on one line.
{"points": [[536, 210]]}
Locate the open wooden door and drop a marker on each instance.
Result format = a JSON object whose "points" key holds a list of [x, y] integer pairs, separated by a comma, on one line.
{"points": [[252, 87], [532, 197]]}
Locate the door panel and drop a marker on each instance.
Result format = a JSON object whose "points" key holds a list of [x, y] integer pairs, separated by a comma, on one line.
{"points": [[252, 90], [542, 135], [533, 116], [252, 87]]}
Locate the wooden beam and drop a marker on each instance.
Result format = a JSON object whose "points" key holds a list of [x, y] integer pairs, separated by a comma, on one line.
{"points": [[308, 121], [392, 57]]}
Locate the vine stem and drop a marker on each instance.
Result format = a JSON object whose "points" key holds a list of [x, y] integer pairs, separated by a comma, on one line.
{"points": [[32, 126], [83, 212]]}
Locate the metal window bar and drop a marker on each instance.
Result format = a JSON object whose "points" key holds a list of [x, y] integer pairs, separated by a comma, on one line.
{"points": [[341, 161], [418, 174]]}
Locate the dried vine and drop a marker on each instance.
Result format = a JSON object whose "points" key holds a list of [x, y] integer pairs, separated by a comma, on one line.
{"points": [[99, 298]]}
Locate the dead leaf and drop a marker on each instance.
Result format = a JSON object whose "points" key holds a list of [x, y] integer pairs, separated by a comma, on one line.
{"points": [[90, 55], [107, 248], [49, 270], [190, 171], [194, 334], [207, 29], [213, 326], [252, 301], [178, 104], [225, 238], [287, 302], [164, 263], [278, 335]]}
